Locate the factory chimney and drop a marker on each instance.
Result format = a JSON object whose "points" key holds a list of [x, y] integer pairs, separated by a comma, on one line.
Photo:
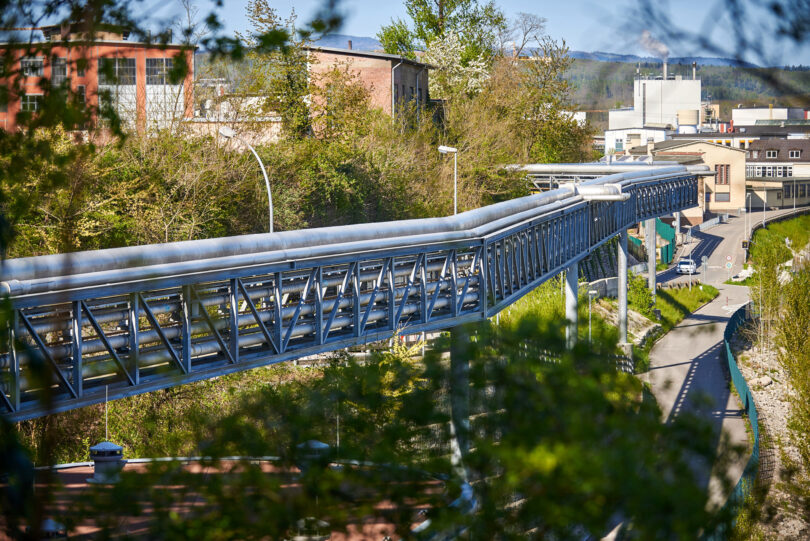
{"points": [[350, 45], [694, 70], [665, 69]]}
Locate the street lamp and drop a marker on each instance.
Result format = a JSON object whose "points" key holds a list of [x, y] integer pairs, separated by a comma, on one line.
{"points": [[591, 294], [454, 151], [228, 133]]}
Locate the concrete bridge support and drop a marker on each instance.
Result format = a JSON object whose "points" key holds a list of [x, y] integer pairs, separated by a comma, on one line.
{"points": [[459, 399], [622, 287], [571, 292], [649, 231], [677, 226]]}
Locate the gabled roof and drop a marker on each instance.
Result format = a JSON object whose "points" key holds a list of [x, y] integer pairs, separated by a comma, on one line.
{"points": [[672, 144], [369, 54]]}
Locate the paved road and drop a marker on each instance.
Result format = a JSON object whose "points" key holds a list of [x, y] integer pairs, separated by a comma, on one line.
{"points": [[687, 372]]}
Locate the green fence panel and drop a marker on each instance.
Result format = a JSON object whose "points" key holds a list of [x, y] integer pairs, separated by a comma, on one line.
{"points": [[746, 484]]}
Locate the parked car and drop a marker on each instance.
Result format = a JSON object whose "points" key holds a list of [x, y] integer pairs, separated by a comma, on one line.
{"points": [[686, 266]]}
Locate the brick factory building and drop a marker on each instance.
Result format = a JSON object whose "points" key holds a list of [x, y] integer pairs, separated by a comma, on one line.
{"points": [[140, 89], [391, 79]]}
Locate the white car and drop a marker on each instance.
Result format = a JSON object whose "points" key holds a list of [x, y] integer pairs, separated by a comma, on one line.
{"points": [[686, 266]]}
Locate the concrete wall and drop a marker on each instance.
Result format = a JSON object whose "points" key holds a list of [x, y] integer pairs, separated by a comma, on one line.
{"points": [[749, 116], [658, 100]]}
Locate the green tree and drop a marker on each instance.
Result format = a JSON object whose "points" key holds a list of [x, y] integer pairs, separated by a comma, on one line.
{"points": [[477, 25]]}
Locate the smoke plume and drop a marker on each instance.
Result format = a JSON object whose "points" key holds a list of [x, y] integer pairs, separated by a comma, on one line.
{"points": [[653, 45]]}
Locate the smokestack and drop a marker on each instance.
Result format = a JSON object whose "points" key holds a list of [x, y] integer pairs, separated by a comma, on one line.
{"points": [[694, 70], [665, 69], [350, 45]]}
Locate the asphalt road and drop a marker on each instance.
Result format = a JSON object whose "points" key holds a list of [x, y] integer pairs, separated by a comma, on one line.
{"points": [[687, 366]]}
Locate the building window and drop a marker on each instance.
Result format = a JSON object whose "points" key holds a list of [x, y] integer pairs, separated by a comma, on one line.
{"points": [[116, 71], [708, 197], [755, 153], [157, 70], [771, 153], [722, 174], [31, 67], [81, 94], [31, 102], [58, 71], [802, 190], [722, 197], [795, 154], [788, 189]]}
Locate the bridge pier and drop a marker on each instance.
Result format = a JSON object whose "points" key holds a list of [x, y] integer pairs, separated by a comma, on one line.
{"points": [[571, 292], [622, 291], [677, 226], [459, 399], [649, 230]]}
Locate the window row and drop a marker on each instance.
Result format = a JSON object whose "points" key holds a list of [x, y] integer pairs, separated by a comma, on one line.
{"points": [[721, 173], [33, 102], [772, 171], [802, 190], [111, 71], [792, 154]]}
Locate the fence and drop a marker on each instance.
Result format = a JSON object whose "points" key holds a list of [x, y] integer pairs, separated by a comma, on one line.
{"points": [[746, 484]]}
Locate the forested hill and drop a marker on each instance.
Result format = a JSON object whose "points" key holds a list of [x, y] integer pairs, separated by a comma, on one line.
{"points": [[604, 85]]}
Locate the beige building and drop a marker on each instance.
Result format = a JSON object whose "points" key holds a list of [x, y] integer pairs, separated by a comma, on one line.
{"points": [[392, 80], [721, 194]]}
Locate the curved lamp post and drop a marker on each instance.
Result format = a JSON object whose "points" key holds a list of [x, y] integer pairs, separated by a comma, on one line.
{"points": [[454, 151], [228, 133]]}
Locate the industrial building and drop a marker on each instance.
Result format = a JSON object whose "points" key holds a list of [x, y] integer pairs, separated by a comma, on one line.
{"points": [[392, 80], [777, 173], [134, 75]]}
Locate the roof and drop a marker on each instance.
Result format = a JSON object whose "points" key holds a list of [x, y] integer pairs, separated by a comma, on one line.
{"points": [[785, 122], [370, 54], [783, 146], [672, 144]]}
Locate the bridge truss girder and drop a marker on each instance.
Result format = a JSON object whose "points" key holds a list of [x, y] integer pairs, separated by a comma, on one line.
{"points": [[125, 339]]}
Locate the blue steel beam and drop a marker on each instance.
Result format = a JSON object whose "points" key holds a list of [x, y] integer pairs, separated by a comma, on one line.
{"points": [[165, 318]]}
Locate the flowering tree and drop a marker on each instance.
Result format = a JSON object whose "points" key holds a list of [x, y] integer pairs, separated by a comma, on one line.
{"points": [[452, 74]]}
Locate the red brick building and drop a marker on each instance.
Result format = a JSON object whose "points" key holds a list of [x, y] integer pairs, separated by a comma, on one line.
{"points": [[140, 90], [391, 79]]}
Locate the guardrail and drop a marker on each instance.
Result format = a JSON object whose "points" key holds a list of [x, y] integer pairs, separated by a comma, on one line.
{"points": [[139, 319], [748, 479]]}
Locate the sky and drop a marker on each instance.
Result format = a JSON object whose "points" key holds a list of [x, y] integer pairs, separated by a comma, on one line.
{"points": [[585, 25]]}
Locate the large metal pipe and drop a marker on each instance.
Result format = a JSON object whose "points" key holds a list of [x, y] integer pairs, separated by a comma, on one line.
{"points": [[20, 275]]}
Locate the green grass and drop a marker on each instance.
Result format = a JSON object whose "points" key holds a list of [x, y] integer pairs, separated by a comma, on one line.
{"points": [[661, 266], [796, 229]]}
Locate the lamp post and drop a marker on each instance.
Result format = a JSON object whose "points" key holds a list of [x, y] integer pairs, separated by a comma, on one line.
{"points": [[591, 294], [228, 133], [454, 151]]}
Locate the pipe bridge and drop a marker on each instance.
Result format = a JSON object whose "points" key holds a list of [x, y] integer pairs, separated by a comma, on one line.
{"points": [[138, 319]]}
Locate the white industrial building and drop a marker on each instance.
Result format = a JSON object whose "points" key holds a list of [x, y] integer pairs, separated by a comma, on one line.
{"points": [[661, 107], [748, 116]]}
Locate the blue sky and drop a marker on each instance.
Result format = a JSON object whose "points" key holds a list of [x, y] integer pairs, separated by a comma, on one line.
{"points": [[584, 24]]}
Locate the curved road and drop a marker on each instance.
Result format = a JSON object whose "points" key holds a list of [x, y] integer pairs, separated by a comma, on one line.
{"points": [[687, 371]]}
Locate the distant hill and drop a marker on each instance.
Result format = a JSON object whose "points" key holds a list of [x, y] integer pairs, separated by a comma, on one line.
{"points": [[631, 58], [341, 41]]}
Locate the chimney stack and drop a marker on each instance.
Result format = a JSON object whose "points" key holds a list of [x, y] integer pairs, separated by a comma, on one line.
{"points": [[350, 45], [694, 70], [665, 69]]}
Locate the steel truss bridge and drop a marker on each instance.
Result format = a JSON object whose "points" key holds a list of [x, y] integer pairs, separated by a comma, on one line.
{"points": [[138, 319]]}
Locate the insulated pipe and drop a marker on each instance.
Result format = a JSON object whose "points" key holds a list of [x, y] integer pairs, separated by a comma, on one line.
{"points": [[677, 225], [571, 292], [315, 241], [622, 286]]}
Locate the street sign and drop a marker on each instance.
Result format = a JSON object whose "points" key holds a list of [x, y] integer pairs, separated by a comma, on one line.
{"points": [[728, 265], [745, 245], [728, 258]]}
